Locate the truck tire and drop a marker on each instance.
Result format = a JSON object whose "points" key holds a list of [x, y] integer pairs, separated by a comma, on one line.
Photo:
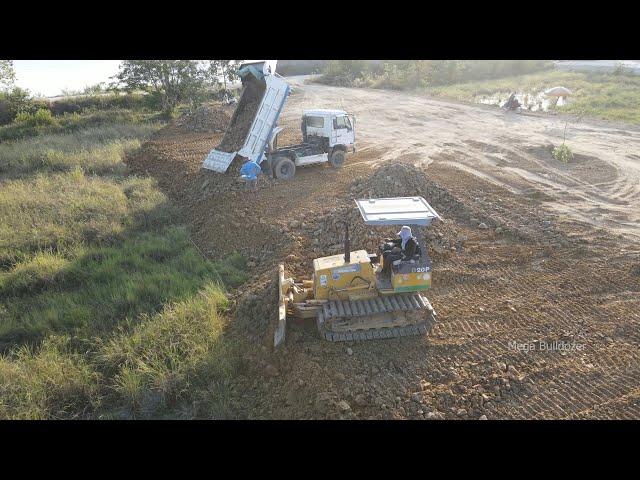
{"points": [[337, 158], [284, 168]]}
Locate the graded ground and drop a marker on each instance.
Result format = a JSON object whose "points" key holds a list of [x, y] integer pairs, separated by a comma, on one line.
{"points": [[532, 253]]}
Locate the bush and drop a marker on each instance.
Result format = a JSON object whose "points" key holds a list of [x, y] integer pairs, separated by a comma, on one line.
{"points": [[14, 102], [108, 122], [85, 103], [409, 74], [40, 118], [562, 153]]}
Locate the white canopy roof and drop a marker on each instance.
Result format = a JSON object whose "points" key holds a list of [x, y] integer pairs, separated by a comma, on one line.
{"points": [[396, 211]]}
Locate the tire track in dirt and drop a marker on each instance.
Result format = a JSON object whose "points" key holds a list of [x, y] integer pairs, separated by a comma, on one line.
{"points": [[534, 275], [603, 150]]}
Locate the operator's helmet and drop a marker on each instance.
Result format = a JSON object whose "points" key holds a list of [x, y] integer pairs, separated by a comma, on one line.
{"points": [[405, 235], [405, 231]]}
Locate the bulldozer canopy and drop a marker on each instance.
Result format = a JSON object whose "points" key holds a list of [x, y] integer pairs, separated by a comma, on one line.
{"points": [[396, 211]]}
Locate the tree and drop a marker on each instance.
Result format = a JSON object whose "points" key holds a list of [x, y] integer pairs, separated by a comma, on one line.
{"points": [[222, 69], [7, 74], [173, 81]]}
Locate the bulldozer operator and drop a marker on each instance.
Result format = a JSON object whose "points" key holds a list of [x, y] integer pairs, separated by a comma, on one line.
{"points": [[402, 248]]}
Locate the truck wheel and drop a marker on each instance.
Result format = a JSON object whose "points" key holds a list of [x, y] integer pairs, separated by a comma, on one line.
{"points": [[337, 158], [284, 168]]}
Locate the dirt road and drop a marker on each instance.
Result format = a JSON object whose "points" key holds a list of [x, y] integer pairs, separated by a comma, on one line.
{"points": [[537, 306], [601, 187]]}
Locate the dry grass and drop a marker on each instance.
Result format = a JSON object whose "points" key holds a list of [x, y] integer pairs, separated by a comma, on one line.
{"points": [[106, 309]]}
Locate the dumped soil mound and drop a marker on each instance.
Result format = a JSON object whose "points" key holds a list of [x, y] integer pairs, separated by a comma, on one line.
{"points": [[257, 309], [243, 116], [205, 118], [404, 179], [395, 180]]}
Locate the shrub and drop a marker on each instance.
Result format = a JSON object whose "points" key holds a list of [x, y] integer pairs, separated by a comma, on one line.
{"points": [[14, 102], [409, 74], [40, 118], [562, 153], [80, 104]]}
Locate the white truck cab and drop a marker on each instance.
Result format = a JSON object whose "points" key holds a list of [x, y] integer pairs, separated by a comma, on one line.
{"points": [[334, 125], [327, 136]]}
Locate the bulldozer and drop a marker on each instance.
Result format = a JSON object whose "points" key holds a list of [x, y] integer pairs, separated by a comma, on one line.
{"points": [[352, 297]]}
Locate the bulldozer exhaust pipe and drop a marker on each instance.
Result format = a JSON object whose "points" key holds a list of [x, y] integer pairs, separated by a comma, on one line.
{"points": [[347, 246]]}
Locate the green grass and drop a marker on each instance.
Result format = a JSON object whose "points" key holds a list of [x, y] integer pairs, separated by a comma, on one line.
{"points": [[167, 363], [110, 121], [106, 308], [95, 149], [167, 358], [607, 96], [94, 289]]}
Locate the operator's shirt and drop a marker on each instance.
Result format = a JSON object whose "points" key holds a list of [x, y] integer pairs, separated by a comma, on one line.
{"points": [[250, 170]]}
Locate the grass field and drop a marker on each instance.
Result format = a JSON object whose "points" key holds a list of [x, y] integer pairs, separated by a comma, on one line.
{"points": [[607, 96], [106, 308]]}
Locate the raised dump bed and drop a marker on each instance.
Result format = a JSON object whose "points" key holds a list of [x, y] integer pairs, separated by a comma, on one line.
{"points": [[254, 119]]}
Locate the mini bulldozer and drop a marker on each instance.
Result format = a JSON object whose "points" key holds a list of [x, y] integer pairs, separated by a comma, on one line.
{"points": [[350, 295]]}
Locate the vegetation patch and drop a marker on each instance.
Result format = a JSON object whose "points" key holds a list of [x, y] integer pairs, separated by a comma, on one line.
{"points": [[606, 96], [562, 153], [107, 310]]}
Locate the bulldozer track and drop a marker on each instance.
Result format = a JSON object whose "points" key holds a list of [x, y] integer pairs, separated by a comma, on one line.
{"points": [[336, 309]]}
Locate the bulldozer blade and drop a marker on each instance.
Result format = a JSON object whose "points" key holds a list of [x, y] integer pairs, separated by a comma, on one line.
{"points": [[279, 335]]}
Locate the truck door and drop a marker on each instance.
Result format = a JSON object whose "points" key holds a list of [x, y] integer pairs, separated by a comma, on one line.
{"points": [[342, 130]]}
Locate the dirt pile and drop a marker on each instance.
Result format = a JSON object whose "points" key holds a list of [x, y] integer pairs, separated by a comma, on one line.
{"points": [[243, 116], [205, 118], [398, 179], [257, 308], [404, 179]]}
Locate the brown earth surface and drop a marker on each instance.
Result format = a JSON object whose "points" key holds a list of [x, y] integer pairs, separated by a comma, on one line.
{"points": [[212, 118], [542, 272]]}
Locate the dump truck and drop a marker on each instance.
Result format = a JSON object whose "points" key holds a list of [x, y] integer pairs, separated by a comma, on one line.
{"points": [[327, 135], [351, 297]]}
